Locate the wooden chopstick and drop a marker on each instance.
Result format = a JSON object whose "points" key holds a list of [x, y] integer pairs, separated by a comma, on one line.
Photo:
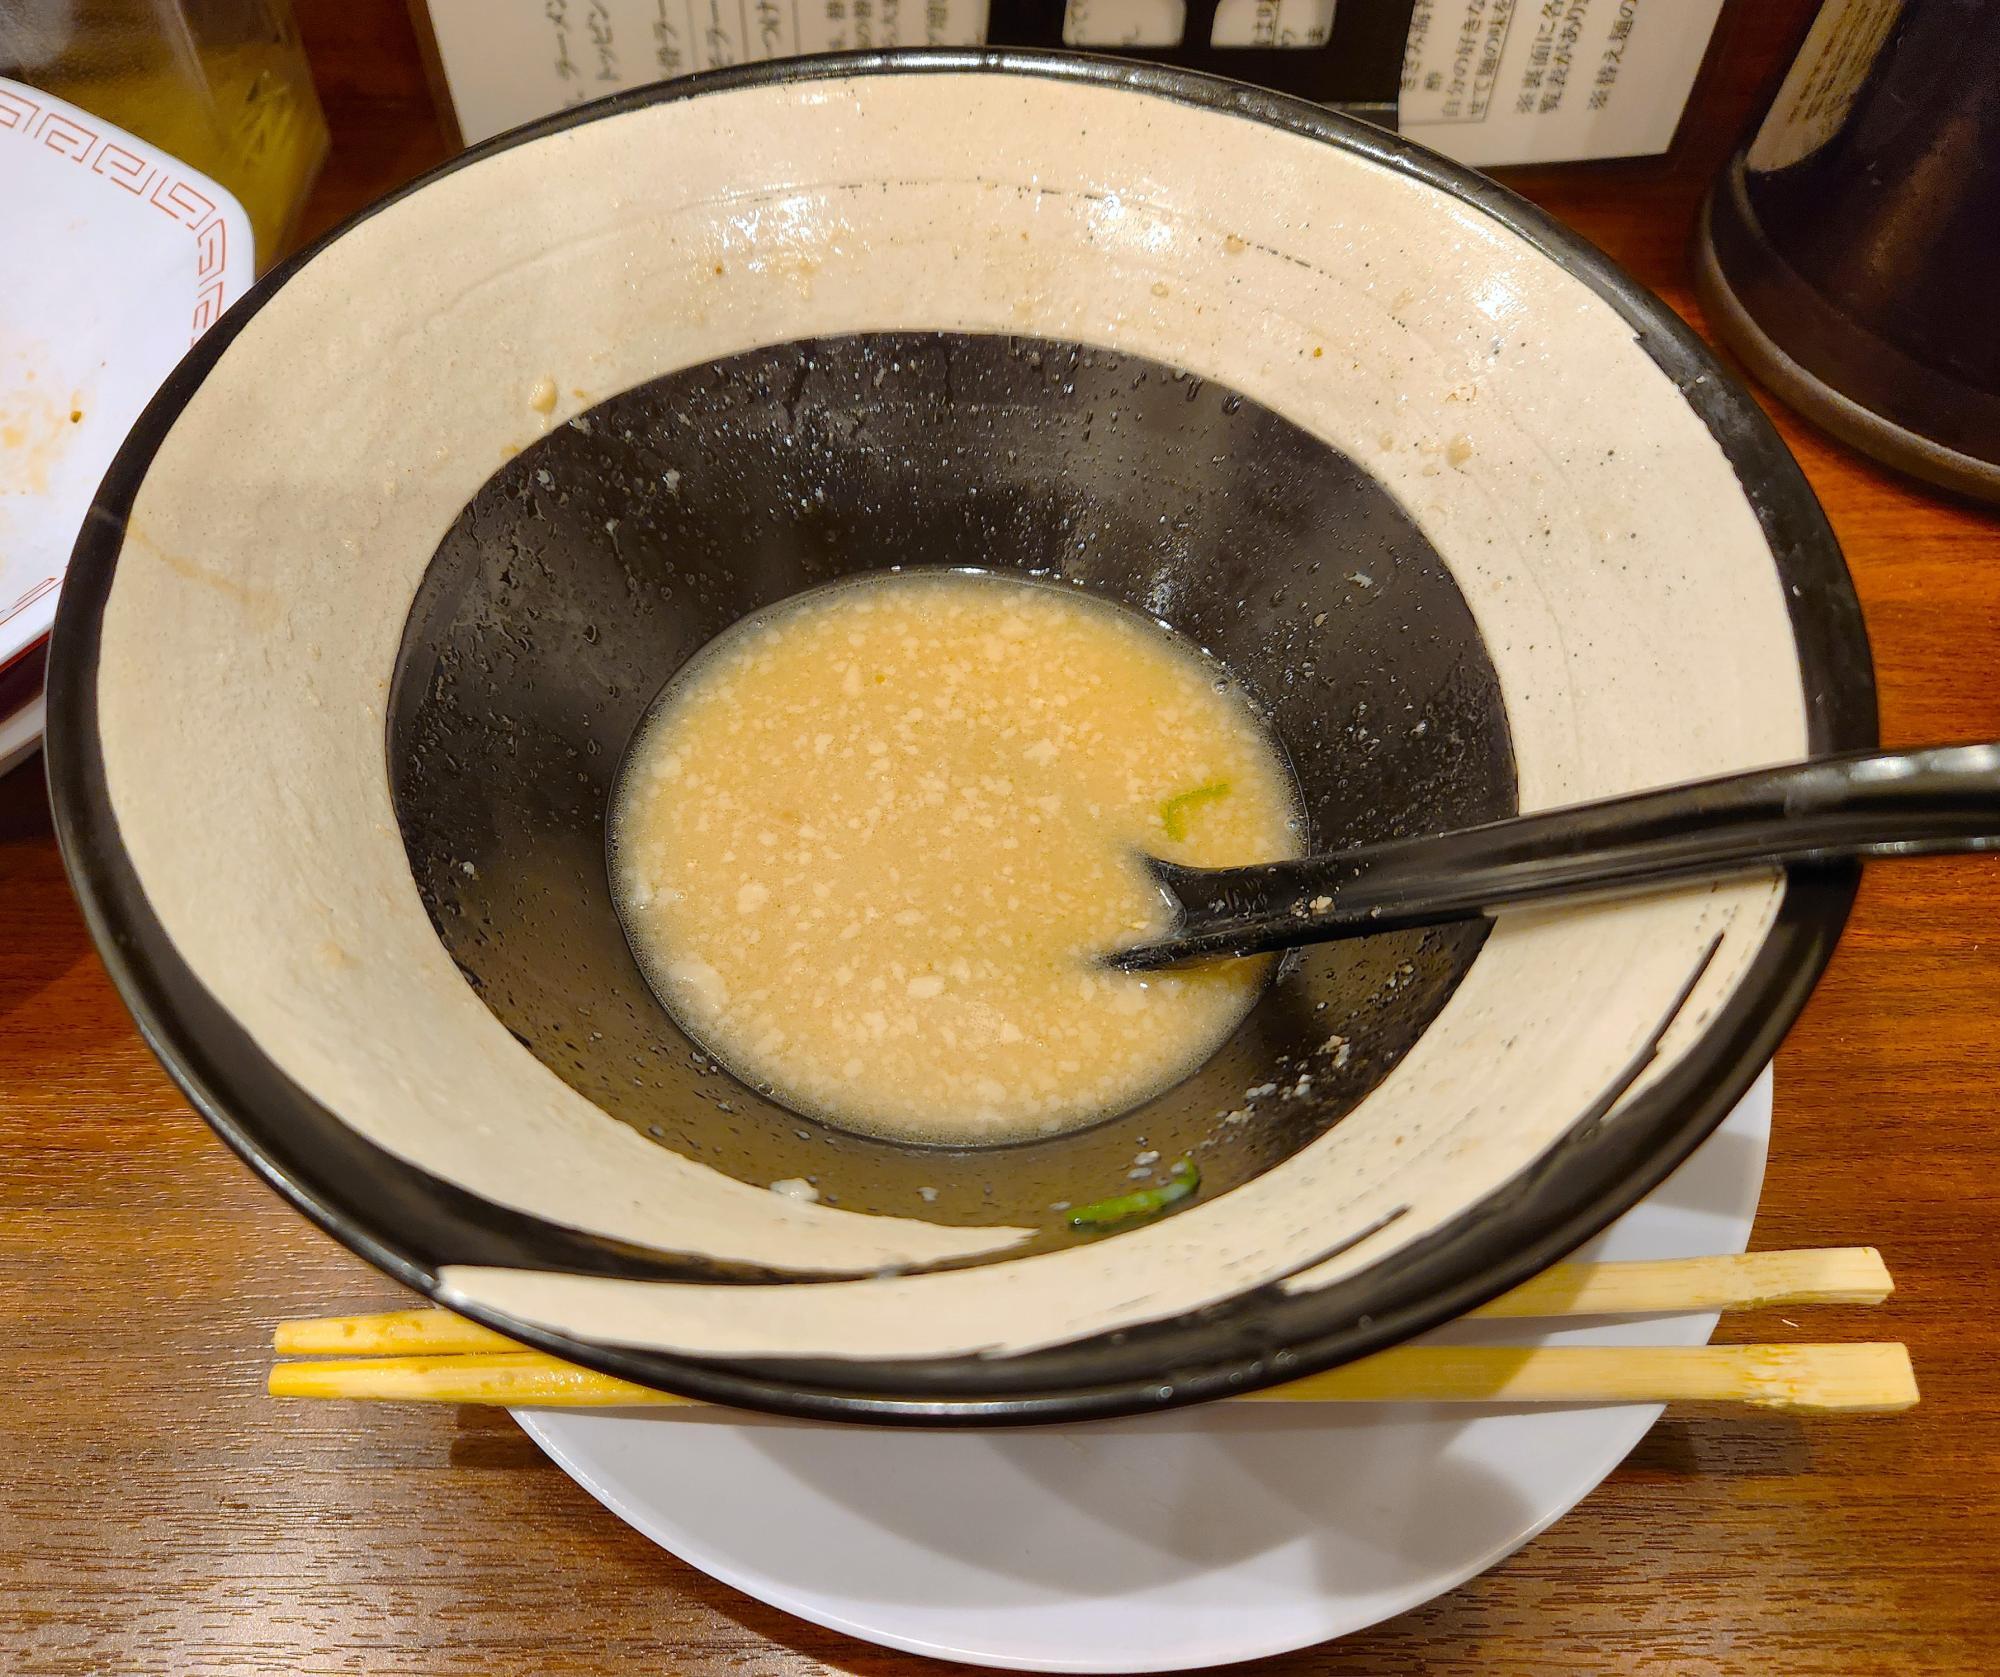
{"points": [[432, 1356], [1675, 1286], [1801, 1379], [1737, 1281], [389, 1333]]}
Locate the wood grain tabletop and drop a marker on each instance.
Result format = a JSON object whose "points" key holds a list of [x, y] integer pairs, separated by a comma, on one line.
{"points": [[159, 1514]]}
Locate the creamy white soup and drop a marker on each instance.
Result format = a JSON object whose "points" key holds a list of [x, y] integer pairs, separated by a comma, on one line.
{"points": [[871, 845]]}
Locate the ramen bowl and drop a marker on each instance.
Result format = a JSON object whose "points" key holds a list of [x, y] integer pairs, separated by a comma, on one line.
{"points": [[375, 597]]}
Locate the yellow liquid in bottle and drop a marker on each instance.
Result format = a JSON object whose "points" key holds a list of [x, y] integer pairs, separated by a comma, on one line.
{"points": [[221, 84]]}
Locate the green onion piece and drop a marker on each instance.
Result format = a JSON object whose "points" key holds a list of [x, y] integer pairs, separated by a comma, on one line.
{"points": [[1182, 1180], [1175, 811]]}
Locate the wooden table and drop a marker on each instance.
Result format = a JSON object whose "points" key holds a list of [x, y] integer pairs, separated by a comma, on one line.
{"points": [[160, 1515]]}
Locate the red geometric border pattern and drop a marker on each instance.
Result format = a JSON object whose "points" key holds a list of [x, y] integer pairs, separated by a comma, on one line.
{"points": [[60, 133], [122, 168], [46, 586], [125, 169], [15, 110], [182, 202], [207, 308], [211, 248]]}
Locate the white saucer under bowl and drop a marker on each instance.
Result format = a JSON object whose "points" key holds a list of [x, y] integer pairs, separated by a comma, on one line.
{"points": [[1194, 1538]]}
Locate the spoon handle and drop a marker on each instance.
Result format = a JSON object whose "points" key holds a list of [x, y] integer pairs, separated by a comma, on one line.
{"points": [[1889, 803]]}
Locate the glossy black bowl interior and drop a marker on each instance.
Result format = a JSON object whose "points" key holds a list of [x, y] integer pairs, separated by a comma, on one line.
{"points": [[594, 563]]}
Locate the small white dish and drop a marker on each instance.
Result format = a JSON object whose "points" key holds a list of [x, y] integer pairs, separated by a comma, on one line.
{"points": [[1194, 1538], [21, 733], [117, 256]]}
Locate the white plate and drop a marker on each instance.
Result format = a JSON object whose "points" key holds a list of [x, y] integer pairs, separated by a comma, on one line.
{"points": [[116, 257], [1188, 1539], [21, 732]]}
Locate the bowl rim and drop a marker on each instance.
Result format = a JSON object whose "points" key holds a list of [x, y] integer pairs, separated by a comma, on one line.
{"points": [[1450, 1271]]}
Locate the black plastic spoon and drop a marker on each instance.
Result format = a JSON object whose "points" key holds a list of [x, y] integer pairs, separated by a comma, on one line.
{"points": [[1891, 803]]}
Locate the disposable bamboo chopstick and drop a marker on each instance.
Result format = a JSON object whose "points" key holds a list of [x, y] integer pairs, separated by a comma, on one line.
{"points": [[432, 1356], [1738, 1281], [1802, 1379], [436, 1333]]}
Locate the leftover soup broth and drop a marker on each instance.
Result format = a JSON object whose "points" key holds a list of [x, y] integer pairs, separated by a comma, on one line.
{"points": [[870, 845]]}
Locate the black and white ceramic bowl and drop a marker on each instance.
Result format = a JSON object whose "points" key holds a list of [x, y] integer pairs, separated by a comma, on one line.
{"points": [[372, 601]]}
